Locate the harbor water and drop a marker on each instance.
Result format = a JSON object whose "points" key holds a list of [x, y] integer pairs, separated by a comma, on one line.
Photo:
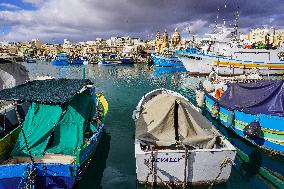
{"points": [[114, 164]]}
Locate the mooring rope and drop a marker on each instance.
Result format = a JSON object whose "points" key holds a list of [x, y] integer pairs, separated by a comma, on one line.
{"points": [[185, 167], [4, 124], [225, 162], [152, 172]]}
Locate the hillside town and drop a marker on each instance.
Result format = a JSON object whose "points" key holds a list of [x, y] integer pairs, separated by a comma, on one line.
{"points": [[128, 46]]}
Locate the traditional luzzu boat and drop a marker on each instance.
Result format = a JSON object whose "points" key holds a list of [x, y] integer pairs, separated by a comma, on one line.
{"points": [[112, 59], [253, 110], [176, 145], [11, 75], [78, 61], [127, 60], [56, 140], [167, 60], [60, 60]]}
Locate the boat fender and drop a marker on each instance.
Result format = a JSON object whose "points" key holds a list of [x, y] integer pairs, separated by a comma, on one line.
{"points": [[219, 92], [215, 110], [253, 130], [200, 98], [230, 118], [213, 76], [208, 86]]}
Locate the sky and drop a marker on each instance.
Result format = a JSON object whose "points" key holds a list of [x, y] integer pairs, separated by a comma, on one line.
{"points": [[80, 20]]}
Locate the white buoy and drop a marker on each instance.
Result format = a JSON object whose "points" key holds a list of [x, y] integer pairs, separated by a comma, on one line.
{"points": [[199, 98]]}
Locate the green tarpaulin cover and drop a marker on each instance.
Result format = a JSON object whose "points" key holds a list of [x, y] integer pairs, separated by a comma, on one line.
{"points": [[56, 129]]}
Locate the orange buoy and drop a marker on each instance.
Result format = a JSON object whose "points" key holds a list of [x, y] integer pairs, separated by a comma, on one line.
{"points": [[219, 93]]}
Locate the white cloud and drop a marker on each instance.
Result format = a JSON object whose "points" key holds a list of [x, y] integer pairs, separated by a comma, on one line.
{"points": [[188, 28], [87, 19], [9, 6], [73, 18], [34, 2]]}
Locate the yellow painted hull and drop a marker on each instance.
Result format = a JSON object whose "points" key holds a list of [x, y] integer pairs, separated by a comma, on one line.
{"points": [[249, 65], [7, 143]]}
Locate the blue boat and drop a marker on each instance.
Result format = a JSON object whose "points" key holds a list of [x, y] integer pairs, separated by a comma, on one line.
{"points": [[253, 110], [167, 60], [31, 60], [60, 60], [112, 59], [166, 70], [78, 60], [127, 60], [58, 137]]}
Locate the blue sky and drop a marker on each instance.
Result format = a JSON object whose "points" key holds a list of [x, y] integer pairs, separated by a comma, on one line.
{"points": [[18, 3], [50, 20]]}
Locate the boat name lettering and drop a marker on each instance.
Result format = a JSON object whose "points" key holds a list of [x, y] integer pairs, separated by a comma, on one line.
{"points": [[163, 160]]}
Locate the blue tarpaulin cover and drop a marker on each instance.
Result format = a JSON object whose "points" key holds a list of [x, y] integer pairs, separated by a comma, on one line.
{"points": [[266, 97]]}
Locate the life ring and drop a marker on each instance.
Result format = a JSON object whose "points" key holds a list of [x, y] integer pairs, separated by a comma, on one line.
{"points": [[219, 92], [213, 76]]}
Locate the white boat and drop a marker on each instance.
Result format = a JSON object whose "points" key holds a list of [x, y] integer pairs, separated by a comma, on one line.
{"points": [[176, 145], [225, 54]]}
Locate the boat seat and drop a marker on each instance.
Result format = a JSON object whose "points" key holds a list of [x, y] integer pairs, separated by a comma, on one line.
{"points": [[47, 158]]}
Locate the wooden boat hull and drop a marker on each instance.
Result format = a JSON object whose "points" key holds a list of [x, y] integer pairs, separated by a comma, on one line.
{"points": [[272, 133], [11, 133], [164, 61], [57, 175], [172, 165], [127, 61], [59, 62], [203, 165], [77, 62]]}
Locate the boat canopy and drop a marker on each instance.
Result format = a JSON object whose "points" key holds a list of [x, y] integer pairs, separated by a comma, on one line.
{"points": [[12, 74], [161, 121], [50, 91], [57, 127], [265, 97]]}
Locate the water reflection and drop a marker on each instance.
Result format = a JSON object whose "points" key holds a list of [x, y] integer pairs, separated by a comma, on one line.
{"points": [[123, 86], [96, 168]]}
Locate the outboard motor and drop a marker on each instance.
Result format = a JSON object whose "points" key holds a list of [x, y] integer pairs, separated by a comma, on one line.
{"points": [[253, 130]]}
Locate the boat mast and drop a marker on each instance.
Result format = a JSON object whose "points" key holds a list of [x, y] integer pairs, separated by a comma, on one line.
{"points": [[176, 120]]}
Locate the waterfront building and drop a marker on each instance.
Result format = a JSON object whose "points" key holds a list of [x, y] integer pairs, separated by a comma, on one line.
{"points": [[176, 39], [264, 35]]}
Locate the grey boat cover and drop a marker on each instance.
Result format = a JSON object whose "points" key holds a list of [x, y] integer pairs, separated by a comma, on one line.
{"points": [[155, 125], [12, 74]]}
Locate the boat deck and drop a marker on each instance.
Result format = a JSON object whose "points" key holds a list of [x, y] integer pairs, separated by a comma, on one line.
{"points": [[47, 158]]}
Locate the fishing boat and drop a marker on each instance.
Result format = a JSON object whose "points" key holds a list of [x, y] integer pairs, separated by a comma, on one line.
{"points": [[31, 60], [79, 60], [166, 60], [252, 109], [112, 59], [194, 61], [12, 74], [225, 54], [176, 145], [127, 60], [167, 70], [58, 136], [60, 60]]}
